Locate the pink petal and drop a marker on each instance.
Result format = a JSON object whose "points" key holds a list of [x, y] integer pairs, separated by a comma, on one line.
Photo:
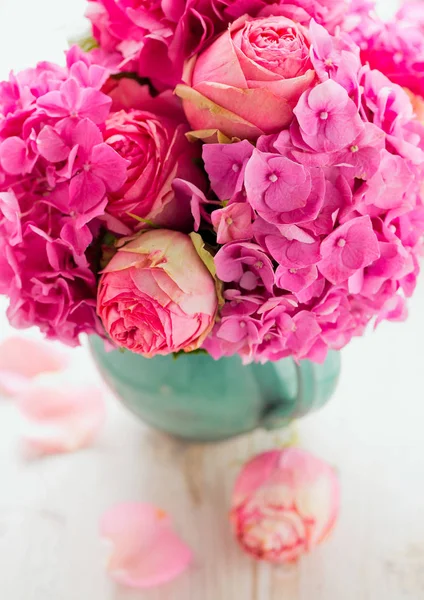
{"points": [[87, 135], [86, 191], [51, 145], [53, 104], [203, 113], [95, 105], [225, 165], [146, 551], [109, 166], [13, 156], [22, 359], [60, 417], [12, 384]]}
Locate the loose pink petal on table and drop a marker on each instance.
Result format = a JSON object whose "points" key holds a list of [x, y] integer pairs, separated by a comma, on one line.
{"points": [[60, 417], [21, 359], [146, 551], [12, 384]]}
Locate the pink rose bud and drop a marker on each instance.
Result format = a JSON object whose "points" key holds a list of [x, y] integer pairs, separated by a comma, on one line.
{"points": [[257, 94], [285, 502], [157, 296]]}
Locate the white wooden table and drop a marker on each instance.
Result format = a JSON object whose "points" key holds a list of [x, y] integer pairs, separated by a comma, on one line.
{"points": [[372, 431]]}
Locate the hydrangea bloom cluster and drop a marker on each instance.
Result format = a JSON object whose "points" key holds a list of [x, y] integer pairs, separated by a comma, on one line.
{"points": [[320, 224], [395, 47], [55, 174]]}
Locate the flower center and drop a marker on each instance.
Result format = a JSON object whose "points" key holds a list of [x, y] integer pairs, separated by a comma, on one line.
{"points": [[229, 221], [323, 115], [341, 243], [273, 178], [236, 168], [354, 148]]}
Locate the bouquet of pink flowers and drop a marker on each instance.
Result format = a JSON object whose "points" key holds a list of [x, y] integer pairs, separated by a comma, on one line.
{"points": [[235, 176]]}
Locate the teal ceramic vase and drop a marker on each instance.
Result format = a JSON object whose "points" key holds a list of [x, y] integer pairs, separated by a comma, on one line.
{"points": [[199, 399]]}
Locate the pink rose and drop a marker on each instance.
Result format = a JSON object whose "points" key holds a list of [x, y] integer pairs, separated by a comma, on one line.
{"points": [[157, 296], [248, 82], [285, 502], [158, 152], [328, 13]]}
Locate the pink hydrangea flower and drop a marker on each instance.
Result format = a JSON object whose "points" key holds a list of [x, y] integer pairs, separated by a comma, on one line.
{"points": [[295, 280], [235, 334], [234, 222], [55, 172], [336, 58], [395, 47], [349, 248], [361, 159], [327, 117], [98, 168], [225, 164], [246, 264], [282, 191]]}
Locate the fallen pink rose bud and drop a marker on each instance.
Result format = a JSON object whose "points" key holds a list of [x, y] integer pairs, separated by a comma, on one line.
{"points": [[285, 502], [146, 551]]}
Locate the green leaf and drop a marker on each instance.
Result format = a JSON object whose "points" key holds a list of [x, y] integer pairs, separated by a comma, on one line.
{"points": [[209, 263], [86, 43], [141, 220]]}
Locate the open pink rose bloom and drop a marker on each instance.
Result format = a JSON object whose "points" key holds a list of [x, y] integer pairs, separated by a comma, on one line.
{"points": [[230, 176], [285, 502]]}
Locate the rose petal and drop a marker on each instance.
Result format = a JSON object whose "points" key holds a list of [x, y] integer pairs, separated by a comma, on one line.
{"points": [[60, 417], [146, 551], [21, 359], [12, 384]]}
